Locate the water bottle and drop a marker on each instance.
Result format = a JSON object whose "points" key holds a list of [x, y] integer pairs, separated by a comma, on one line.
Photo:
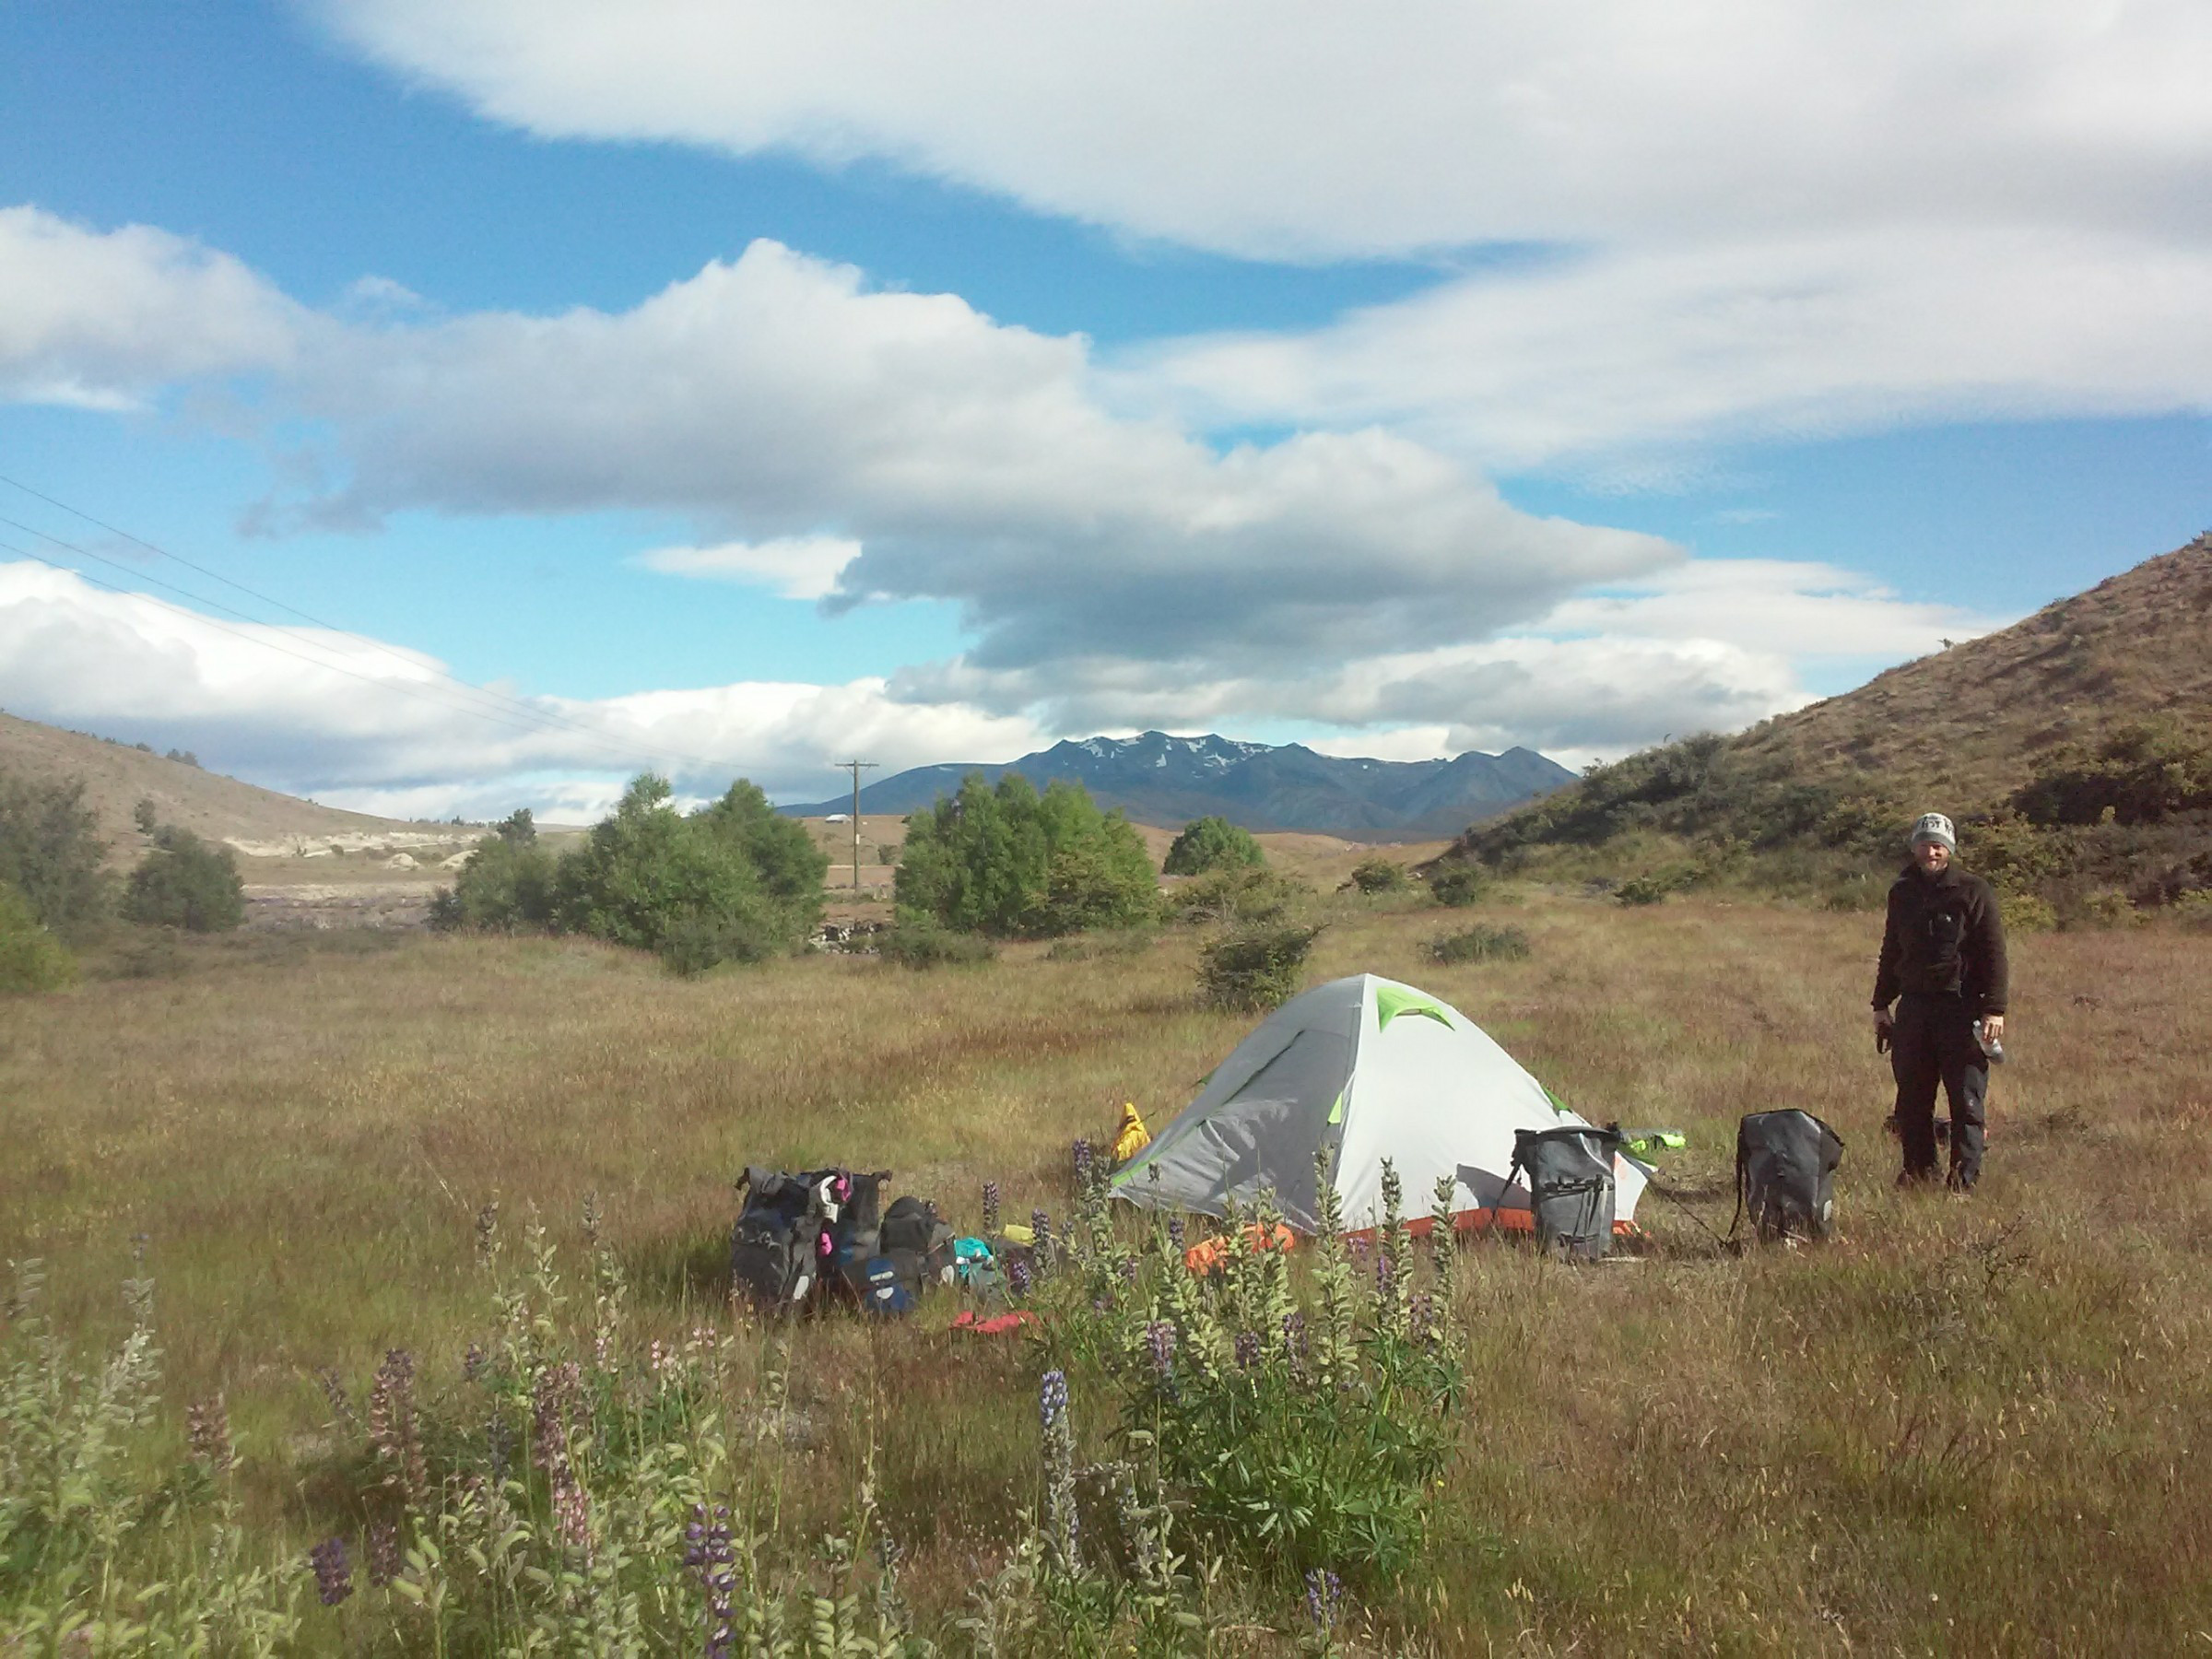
{"points": [[1991, 1046]]}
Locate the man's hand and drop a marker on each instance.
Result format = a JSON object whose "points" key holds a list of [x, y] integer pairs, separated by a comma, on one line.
{"points": [[1883, 1020], [1993, 1028]]}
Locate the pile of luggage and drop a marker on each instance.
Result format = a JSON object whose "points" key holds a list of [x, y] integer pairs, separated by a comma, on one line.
{"points": [[823, 1236]]}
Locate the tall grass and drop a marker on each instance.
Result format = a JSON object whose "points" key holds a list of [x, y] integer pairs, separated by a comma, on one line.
{"points": [[1962, 1426]]}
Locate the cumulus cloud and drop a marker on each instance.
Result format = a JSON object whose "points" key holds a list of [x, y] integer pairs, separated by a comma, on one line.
{"points": [[796, 567], [1630, 348], [361, 723], [101, 320], [1309, 128]]}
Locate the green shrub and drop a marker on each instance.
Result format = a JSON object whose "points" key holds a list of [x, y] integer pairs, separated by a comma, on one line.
{"points": [[920, 941], [1458, 885], [1212, 843], [1653, 886], [51, 853], [31, 959], [2108, 908], [750, 929], [1379, 875], [2141, 772], [2194, 909], [1256, 965], [505, 887], [1480, 944], [1241, 894], [2027, 913], [1004, 860], [184, 882]]}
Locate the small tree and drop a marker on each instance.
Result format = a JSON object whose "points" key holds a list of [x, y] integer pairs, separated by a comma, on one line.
{"points": [[1006, 861], [1212, 843], [51, 855], [145, 815], [506, 886], [186, 882], [31, 959], [1255, 966]]}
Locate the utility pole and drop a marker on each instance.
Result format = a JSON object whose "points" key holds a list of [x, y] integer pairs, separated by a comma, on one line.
{"points": [[856, 768]]}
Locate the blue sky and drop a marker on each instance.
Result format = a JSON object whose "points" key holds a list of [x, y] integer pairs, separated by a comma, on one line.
{"points": [[729, 387]]}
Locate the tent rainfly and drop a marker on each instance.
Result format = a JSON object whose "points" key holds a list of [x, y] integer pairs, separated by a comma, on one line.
{"points": [[1368, 1069]]}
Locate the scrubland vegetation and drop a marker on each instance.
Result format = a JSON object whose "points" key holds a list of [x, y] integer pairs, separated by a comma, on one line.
{"points": [[1972, 1426]]}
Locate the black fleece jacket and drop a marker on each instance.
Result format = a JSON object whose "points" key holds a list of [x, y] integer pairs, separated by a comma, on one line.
{"points": [[1943, 935]]}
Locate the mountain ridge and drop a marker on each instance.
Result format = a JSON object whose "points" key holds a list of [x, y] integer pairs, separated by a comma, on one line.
{"points": [[1159, 778]]}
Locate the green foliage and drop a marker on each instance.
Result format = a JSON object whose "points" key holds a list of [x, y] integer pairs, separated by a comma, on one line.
{"points": [[1006, 862], [1653, 886], [1212, 843], [145, 815], [1379, 875], [505, 887], [2194, 909], [1480, 944], [50, 853], [2106, 908], [1255, 965], [1458, 885], [186, 882], [919, 940], [1241, 894], [518, 829], [2139, 773], [31, 959]]}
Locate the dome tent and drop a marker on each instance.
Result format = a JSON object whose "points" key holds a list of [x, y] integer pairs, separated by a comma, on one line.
{"points": [[1370, 1069]]}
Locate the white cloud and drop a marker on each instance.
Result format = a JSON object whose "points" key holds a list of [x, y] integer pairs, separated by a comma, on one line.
{"points": [[796, 567], [1682, 345], [1313, 128], [104, 319], [359, 723]]}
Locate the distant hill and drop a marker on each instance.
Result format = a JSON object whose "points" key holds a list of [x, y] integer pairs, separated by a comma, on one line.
{"points": [[1157, 779], [117, 776], [2076, 744]]}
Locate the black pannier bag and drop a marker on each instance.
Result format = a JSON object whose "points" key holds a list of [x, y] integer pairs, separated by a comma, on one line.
{"points": [[1570, 1175], [776, 1248], [919, 1241], [1786, 1173]]}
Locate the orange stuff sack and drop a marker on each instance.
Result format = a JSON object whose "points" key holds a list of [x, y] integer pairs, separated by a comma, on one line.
{"points": [[1209, 1255]]}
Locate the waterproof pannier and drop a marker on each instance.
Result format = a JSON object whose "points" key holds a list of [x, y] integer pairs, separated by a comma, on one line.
{"points": [[1786, 1173], [777, 1242], [1570, 1174]]}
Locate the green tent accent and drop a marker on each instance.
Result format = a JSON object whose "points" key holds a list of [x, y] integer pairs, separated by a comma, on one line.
{"points": [[1394, 1000], [1336, 1111]]}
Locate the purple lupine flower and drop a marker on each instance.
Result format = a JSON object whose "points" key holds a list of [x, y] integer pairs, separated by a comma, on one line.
{"points": [[207, 1430], [1294, 1343], [990, 1208], [1041, 1225], [1128, 1270], [708, 1553], [472, 1363], [1160, 1339], [1175, 1233], [1324, 1596], [334, 1573], [1421, 1310], [1383, 1274], [1248, 1349], [384, 1553], [1018, 1277], [1081, 1151], [1052, 1399]]}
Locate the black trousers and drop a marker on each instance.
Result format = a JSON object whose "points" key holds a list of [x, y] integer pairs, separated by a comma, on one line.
{"points": [[1933, 1042]]}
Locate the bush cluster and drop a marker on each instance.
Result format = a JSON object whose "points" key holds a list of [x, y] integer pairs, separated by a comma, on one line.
{"points": [[184, 882], [1480, 944], [1255, 965], [31, 959], [1004, 860], [52, 856], [735, 881], [1212, 843], [1379, 874], [1241, 894], [918, 940], [1458, 884]]}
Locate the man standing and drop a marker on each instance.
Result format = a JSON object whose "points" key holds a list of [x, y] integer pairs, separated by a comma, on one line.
{"points": [[1943, 961]]}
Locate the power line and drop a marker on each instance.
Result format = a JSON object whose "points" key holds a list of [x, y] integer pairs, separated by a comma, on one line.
{"points": [[856, 768]]}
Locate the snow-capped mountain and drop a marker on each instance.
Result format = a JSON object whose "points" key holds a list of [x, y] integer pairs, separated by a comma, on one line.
{"points": [[1164, 780]]}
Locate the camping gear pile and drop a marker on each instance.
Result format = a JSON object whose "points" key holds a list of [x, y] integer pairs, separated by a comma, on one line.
{"points": [[1333, 1084], [825, 1234]]}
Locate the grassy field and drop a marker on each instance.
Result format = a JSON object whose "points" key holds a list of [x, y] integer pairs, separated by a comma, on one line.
{"points": [[1961, 1427]]}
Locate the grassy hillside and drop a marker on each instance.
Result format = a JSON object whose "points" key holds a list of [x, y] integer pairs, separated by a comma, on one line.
{"points": [[117, 776], [2074, 748], [1961, 1427]]}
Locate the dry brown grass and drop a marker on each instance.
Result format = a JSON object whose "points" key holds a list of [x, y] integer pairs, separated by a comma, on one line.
{"points": [[1969, 1426]]}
